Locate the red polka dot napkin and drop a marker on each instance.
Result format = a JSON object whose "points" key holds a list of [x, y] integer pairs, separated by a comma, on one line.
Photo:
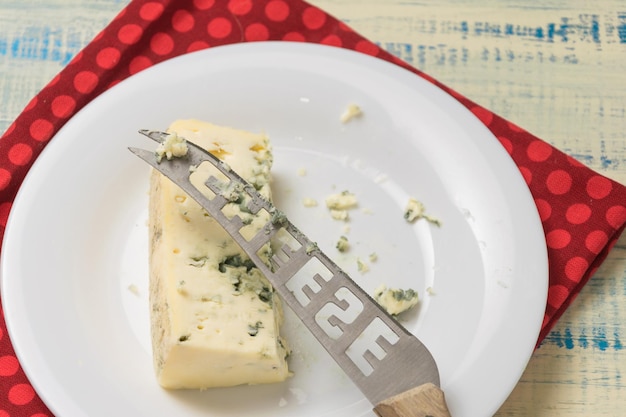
{"points": [[583, 213]]}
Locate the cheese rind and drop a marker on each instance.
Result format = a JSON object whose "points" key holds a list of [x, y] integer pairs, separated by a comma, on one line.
{"points": [[215, 318]]}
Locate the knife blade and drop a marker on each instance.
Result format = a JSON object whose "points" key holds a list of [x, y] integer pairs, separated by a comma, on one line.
{"points": [[392, 368]]}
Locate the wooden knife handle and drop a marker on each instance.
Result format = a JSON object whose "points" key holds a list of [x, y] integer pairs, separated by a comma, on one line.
{"points": [[424, 401]]}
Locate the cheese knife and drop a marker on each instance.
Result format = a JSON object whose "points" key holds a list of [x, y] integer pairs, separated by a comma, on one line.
{"points": [[391, 367]]}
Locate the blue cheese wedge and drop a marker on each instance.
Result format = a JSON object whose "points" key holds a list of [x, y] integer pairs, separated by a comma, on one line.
{"points": [[215, 318]]}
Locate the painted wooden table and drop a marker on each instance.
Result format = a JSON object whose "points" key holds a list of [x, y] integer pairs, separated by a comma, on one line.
{"points": [[558, 69]]}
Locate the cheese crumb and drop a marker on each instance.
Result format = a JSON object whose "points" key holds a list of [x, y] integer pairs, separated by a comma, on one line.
{"points": [[415, 210], [339, 214], [312, 247], [362, 266], [351, 112], [299, 394], [309, 202], [133, 288], [395, 301], [173, 146], [302, 172], [341, 201], [342, 244]]}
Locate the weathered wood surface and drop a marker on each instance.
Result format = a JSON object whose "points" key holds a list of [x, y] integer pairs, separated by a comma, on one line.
{"points": [[556, 68]]}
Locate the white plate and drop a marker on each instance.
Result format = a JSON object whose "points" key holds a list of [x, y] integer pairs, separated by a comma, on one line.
{"points": [[76, 242]]}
